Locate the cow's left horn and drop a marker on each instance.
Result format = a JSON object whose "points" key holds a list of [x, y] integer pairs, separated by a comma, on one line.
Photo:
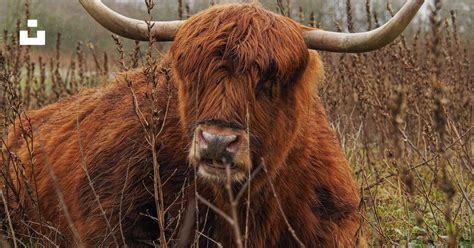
{"points": [[365, 41], [128, 27]]}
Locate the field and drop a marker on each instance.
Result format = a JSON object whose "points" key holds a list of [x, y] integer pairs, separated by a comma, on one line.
{"points": [[403, 115]]}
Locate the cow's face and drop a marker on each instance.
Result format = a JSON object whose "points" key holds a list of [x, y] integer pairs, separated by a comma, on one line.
{"points": [[242, 92]]}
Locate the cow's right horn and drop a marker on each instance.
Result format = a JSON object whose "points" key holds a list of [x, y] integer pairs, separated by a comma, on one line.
{"points": [[366, 41], [128, 27]]}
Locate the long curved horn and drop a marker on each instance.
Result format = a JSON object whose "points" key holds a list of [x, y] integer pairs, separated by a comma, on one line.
{"points": [[128, 27], [365, 41]]}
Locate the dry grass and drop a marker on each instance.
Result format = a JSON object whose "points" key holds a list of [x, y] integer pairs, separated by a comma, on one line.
{"points": [[404, 116]]}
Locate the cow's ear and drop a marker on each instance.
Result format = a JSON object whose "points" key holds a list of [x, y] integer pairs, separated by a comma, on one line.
{"points": [[314, 71]]}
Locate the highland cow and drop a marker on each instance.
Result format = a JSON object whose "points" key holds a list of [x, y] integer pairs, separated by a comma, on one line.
{"points": [[239, 118]]}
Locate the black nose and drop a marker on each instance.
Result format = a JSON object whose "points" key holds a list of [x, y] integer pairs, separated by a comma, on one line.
{"points": [[219, 142]]}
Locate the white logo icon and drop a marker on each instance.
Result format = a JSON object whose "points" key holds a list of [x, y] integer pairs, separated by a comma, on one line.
{"points": [[40, 39]]}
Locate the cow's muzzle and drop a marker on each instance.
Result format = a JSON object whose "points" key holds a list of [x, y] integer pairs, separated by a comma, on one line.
{"points": [[219, 152]]}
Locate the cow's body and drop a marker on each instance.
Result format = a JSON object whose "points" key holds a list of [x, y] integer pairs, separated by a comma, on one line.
{"points": [[315, 188], [98, 131]]}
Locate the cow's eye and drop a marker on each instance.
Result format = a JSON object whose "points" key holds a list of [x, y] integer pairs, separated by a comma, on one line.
{"points": [[265, 89], [266, 86]]}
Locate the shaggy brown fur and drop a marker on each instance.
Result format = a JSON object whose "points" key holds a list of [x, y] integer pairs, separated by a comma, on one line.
{"points": [[227, 61]]}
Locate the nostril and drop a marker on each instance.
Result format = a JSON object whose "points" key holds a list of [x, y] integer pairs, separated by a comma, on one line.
{"points": [[201, 140], [233, 145]]}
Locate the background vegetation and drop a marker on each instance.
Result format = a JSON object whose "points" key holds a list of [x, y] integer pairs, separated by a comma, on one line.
{"points": [[68, 17], [403, 114]]}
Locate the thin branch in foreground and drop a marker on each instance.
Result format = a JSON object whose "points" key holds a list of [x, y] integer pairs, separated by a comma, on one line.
{"points": [[8, 218], [290, 229]]}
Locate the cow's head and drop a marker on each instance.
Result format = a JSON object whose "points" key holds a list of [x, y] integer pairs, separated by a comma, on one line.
{"points": [[238, 68], [245, 78]]}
